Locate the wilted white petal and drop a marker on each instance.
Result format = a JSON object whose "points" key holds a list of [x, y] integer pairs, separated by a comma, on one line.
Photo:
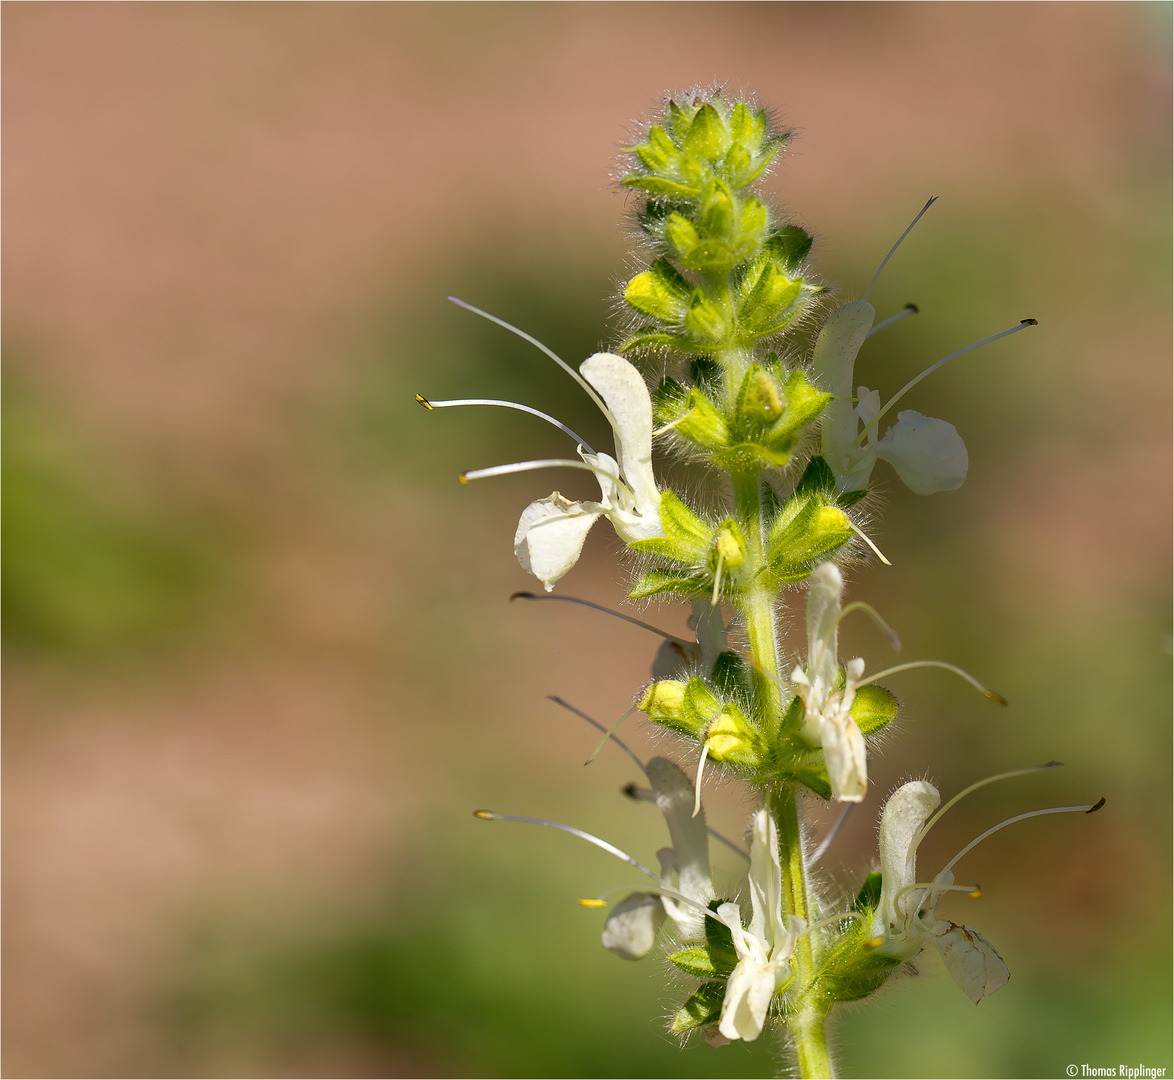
{"points": [[929, 455], [846, 758], [906, 811], [825, 587], [970, 959], [550, 536], [765, 880], [675, 798], [632, 925]]}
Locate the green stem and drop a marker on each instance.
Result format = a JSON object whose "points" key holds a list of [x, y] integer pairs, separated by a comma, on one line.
{"points": [[758, 606], [806, 1025]]}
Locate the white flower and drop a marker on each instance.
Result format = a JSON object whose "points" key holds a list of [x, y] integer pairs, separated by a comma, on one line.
{"points": [[906, 921], [929, 455], [827, 720], [764, 948], [552, 531], [632, 925]]}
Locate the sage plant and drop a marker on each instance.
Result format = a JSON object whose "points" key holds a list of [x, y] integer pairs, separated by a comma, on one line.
{"points": [[792, 444]]}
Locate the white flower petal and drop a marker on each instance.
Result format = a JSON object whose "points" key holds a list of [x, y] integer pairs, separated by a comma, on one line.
{"points": [[825, 587], [929, 455], [632, 925], [623, 390], [846, 758], [550, 536], [748, 994], [675, 798], [970, 959], [765, 881], [906, 811]]}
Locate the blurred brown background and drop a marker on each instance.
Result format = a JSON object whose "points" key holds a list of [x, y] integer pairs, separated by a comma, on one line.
{"points": [[260, 664]]}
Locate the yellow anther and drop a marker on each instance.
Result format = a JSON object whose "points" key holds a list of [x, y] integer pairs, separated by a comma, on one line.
{"points": [[485, 815], [873, 943], [976, 894], [591, 902], [998, 699], [424, 401]]}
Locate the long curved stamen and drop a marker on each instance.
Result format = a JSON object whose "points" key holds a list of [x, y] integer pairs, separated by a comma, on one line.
{"points": [[936, 816], [606, 610], [931, 888], [542, 348], [611, 849], [530, 466], [1087, 809], [904, 313], [661, 888], [452, 402], [826, 842], [962, 674], [872, 613], [596, 724], [608, 734], [863, 536], [885, 261], [1022, 325], [639, 794]]}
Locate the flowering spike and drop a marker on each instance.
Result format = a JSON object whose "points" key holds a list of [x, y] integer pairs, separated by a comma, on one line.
{"points": [[726, 275]]}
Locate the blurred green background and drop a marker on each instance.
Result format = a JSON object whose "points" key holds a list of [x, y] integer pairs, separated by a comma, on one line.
{"points": [[260, 662]]}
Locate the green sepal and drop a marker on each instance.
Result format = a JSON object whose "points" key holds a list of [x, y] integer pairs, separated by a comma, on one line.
{"points": [[787, 246], [662, 703], [759, 401], [706, 324], [817, 479], [700, 705], [870, 893], [732, 677], [849, 970], [802, 404], [669, 401], [659, 185], [805, 530], [657, 153], [719, 942], [703, 1007], [708, 137], [701, 423], [664, 582], [653, 338], [873, 708], [729, 546], [659, 292], [688, 538], [749, 455], [694, 961]]}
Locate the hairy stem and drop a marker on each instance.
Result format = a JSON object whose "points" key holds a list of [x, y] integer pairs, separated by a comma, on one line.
{"points": [[758, 606]]}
